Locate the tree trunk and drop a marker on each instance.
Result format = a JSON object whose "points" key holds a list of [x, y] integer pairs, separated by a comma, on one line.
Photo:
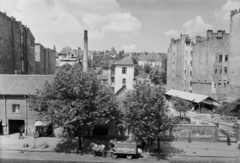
{"points": [[158, 144], [79, 141]]}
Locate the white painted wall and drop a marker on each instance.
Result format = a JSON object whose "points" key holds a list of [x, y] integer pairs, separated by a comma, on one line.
{"points": [[119, 77]]}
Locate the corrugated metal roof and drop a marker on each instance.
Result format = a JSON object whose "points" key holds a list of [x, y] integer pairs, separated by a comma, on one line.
{"points": [[22, 84], [187, 96]]}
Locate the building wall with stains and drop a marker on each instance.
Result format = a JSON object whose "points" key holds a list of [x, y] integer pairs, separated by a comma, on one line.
{"points": [[16, 47], [234, 59]]}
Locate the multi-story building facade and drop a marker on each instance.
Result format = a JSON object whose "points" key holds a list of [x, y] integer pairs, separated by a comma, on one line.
{"points": [[234, 58], [45, 60], [17, 45], [122, 74], [200, 64]]}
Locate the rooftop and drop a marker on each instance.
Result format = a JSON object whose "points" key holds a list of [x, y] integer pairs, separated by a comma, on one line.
{"points": [[22, 84], [127, 61]]}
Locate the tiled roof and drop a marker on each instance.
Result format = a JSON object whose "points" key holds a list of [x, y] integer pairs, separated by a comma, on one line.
{"points": [[125, 61], [150, 57], [22, 84]]}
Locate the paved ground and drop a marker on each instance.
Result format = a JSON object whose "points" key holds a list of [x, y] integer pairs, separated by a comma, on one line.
{"points": [[174, 151]]}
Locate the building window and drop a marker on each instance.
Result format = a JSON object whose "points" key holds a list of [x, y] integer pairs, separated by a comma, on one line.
{"points": [[124, 81], [220, 71], [185, 62], [16, 108], [190, 73], [220, 58], [112, 79], [185, 71], [190, 83], [191, 63], [224, 85], [191, 53], [226, 58], [219, 84], [124, 70], [225, 70], [215, 71], [227, 83]]}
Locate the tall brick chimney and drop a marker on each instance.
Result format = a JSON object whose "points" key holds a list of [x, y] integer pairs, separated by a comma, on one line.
{"points": [[85, 55]]}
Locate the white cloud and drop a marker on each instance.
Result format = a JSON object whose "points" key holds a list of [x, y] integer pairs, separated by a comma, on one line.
{"points": [[172, 33], [129, 48], [68, 17], [191, 27], [226, 9], [196, 26]]}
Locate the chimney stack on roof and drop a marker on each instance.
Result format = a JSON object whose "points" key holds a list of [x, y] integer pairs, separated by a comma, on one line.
{"points": [[85, 55]]}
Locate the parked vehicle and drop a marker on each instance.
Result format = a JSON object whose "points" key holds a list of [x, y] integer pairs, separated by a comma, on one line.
{"points": [[127, 148]]}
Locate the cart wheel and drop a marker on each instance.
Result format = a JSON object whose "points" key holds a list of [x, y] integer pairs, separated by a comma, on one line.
{"points": [[114, 156], [129, 157]]}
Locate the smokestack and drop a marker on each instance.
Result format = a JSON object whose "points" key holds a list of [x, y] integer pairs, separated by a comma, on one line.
{"points": [[85, 55]]}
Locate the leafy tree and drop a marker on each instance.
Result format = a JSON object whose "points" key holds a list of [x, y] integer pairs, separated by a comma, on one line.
{"points": [[181, 105], [158, 76], [76, 100], [137, 70], [146, 112], [147, 68]]}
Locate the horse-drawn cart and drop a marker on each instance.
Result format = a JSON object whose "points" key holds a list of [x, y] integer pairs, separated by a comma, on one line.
{"points": [[98, 150]]}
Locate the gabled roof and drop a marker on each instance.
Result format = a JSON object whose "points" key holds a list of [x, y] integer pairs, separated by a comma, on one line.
{"points": [[22, 84], [194, 97], [63, 51], [127, 61]]}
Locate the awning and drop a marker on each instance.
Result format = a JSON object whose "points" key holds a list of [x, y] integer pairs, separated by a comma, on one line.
{"points": [[193, 97], [42, 123]]}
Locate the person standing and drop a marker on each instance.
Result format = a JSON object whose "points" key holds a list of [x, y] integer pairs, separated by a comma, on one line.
{"points": [[20, 132]]}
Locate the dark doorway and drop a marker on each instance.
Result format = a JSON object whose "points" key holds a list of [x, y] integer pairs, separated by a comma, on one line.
{"points": [[14, 126], [1, 128], [100, 130]]}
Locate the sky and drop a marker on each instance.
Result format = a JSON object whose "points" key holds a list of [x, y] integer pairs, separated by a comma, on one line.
{"points": [[129, 25]]}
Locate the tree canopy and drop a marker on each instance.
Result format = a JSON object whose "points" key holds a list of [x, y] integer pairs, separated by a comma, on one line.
{"points": [[146, 112], [76, 100], [181, 105]]}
